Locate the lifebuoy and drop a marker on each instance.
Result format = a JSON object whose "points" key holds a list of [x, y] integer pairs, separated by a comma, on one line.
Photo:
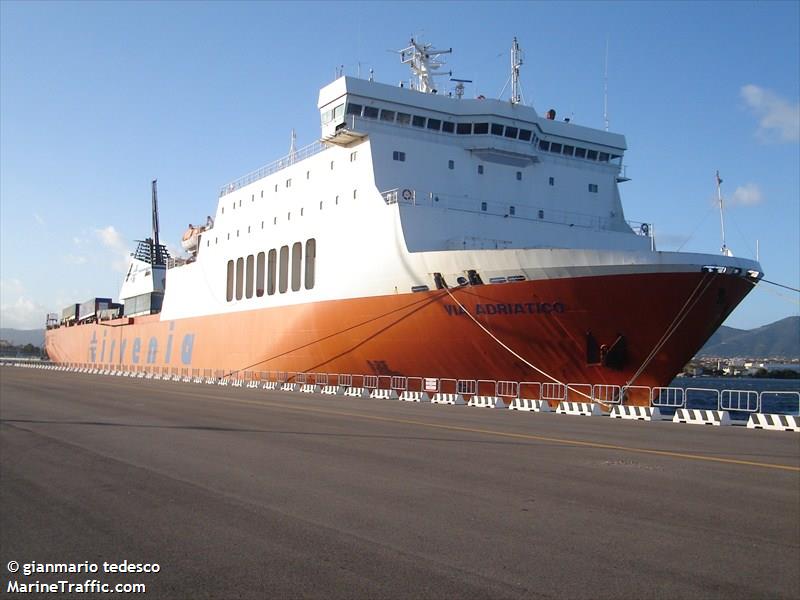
{"points": [[645, 228], [188, 234], [407, 194]]}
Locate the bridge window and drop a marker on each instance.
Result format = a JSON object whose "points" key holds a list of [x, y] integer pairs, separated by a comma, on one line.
{"points": [[448, 126], [239, 278], [552, 181], [387, 115], [511, 132], [272, 259], [591, 154], [555, 147], [568, 150], [603, 157], [464, 128], [399, 156], [354, 109], [541, 214], [525, 135], [434, 124], [297, 265], [283, 270], [248, 291], [480, 169], [544, 146], [593, 188], [480, 128], [260, 274], [580, 152], [229, 290], [483, 206], [451, 164], [370, 112], [311, 256], [519, 175], [497, 129], [403, 118], [418, 121]]}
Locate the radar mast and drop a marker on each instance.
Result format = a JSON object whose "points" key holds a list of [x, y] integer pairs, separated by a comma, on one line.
{"points": [[423, 60]]}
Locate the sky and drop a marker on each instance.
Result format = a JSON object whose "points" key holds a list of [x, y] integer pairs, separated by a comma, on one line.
{"points": [[99, 98]]}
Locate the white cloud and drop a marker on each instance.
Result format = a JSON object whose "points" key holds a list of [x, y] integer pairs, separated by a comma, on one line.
{"points": [[73, 259], [17, 310], [23, 313], [119, 251], [748, 194], [778, 119]]}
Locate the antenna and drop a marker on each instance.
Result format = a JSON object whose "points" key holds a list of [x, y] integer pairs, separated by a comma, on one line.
{"points": [[516, 63], [423, 61], [725, 250], [155, 213], [157, 252], [293, 148], [605, 89]]}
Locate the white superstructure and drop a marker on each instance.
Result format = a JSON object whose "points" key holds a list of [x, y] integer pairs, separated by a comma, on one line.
{"points": [[409, 189]]}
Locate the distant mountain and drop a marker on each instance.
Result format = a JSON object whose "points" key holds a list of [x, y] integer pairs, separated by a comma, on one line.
{"points": [[20, 337], [778, 339]]}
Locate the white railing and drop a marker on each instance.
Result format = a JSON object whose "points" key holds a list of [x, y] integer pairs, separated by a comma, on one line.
{"points": [[742, 401], [273, 167]]}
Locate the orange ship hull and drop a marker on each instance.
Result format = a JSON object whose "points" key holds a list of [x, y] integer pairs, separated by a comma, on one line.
{"points": [[561, 326], [581, 330]]}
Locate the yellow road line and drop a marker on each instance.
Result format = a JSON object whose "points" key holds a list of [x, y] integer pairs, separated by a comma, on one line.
{"points": [[507, 434]]}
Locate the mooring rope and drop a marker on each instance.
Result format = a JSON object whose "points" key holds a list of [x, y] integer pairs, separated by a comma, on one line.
{"points": [[516, 354], [679, 318]]}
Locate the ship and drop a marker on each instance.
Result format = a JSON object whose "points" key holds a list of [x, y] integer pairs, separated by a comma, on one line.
{"points": [[424, 234]]}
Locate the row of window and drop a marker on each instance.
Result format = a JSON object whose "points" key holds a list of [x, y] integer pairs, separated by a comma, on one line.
{"points": [[497, 129], [287, 183], [247, 276]]}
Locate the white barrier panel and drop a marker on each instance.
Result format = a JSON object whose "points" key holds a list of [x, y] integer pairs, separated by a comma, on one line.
{"points": [[415, 396], [271, 385], [530, 405], [310, 388], [774, 422], [237, 382], [441, 398], [383, 394], [696, 416], [583, 409], [290, 387], [222, 381], [252, 384], [210, 380], [487, 402], [638, 413], [332, 390], [357, 392]]}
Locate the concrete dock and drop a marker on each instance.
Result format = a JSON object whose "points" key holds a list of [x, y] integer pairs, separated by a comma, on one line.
{"points": [[241, 493]]}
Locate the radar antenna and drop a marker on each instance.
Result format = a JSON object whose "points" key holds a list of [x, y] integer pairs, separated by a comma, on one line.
{"points": [[460, 86], [423, 60]]}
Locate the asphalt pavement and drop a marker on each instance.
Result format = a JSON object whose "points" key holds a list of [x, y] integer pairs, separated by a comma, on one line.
{"points": [[240, 493]]}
